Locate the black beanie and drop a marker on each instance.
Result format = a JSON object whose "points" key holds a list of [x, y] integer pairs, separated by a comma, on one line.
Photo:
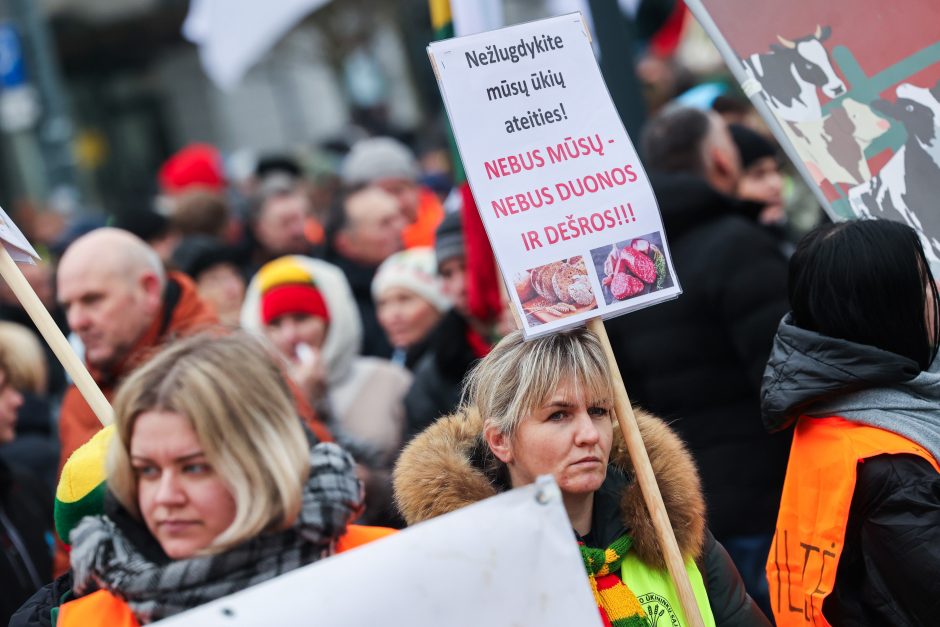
{"points": [[448, 239], [751, 145]]}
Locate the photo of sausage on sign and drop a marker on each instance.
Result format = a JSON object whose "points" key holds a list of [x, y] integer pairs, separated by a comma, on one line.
{"points": [[554, 174]]}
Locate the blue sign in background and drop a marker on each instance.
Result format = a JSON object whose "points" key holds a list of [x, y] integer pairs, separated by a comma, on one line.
{"points": [[12, 68]]}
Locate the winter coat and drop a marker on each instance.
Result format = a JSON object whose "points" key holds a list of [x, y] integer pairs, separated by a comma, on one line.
{"points": [[439, 374], [182, 312], [887, 570], [440, 471], [41, 608], [697, 361], [25, 538]]}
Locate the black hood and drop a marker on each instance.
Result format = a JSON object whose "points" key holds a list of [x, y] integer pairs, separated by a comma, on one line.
{"points": [[687, 201], [806, 367]]}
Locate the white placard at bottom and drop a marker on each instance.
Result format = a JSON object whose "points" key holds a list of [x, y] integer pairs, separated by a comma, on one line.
{"points": [[507, 561]]}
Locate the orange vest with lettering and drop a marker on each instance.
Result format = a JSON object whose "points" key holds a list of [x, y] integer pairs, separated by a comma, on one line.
{"points": [[104, 608], [814, 512]]}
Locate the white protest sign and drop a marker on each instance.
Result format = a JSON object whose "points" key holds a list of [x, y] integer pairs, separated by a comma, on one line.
{"points": [[507, 561], [15, 242], [566, 204]]}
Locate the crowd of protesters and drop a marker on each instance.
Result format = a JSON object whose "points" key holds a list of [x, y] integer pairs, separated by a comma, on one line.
{"points": [[356, 326]]}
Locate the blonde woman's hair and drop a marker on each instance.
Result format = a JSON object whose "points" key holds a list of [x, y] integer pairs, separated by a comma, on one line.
{"points": [[518, 377], [232, 391], [22, 359]]}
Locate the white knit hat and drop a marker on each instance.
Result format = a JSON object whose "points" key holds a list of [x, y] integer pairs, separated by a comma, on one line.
{"points": [[413, 269]]}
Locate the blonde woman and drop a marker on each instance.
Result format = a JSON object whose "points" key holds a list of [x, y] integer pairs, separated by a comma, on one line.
{"points": [[215, 487], [544, 407]]}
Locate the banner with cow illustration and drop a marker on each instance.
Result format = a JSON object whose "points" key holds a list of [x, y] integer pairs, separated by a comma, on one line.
{"points": [[851, 88]]}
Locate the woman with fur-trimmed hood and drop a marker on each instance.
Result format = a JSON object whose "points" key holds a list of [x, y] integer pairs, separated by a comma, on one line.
{"points": [[545, 407]]}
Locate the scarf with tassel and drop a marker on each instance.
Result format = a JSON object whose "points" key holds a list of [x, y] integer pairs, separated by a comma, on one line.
{"points": [[618, 606]]}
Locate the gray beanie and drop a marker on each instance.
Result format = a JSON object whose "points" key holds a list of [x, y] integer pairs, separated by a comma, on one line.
{"points": [[448, 238], [378, 158]]}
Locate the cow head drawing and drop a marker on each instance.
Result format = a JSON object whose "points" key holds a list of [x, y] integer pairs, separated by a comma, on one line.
{"points": [[811, 60], [917, 108]]}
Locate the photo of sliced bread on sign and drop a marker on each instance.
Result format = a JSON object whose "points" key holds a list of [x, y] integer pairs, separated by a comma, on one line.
{"points": [[555, 290]]}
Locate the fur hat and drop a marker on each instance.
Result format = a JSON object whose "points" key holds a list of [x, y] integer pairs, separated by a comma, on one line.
{"points": [[378, 158], [414, 269]]}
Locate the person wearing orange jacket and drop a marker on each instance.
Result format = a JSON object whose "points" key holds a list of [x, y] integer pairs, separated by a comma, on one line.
{"points": [[213, 486], [390, 165], [854, 367], [121, 304]]}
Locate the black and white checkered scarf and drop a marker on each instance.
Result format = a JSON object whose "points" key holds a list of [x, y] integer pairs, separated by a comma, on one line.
{"points": [[103, 557]]}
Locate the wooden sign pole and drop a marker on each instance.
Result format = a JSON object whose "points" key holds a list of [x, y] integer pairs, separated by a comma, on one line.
{"points": [[644, 475], [54, 337]]}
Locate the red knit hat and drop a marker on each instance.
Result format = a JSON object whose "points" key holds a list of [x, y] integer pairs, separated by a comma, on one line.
{"points": [[196, 164], [287, 288], [292, 299]]}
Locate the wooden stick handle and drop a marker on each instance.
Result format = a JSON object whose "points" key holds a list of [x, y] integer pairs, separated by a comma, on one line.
{"points": [[53, 336], [644, 474]]}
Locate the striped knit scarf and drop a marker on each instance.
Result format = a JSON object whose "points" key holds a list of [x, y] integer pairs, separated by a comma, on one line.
{"points": [[618, 605], [103, 557]]}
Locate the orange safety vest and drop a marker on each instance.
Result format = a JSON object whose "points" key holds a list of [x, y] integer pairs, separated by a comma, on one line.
{"points": [[103, 608], [814, 512], [430, 214]]}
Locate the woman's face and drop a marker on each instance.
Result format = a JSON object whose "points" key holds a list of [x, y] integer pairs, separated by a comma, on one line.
{"points": [[569, 437], [184, 503], [290, 330], [405, 317], [763, 182], [224, 287]]}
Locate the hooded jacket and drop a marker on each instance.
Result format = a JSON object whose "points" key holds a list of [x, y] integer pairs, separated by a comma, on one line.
{"points": [[886, 574], [375, 418], [365, 395], [697, 360], [441, 471]]}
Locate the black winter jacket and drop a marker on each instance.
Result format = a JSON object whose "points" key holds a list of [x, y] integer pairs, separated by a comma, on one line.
{"points": [[888, 571], [25, 538], [374, 341], [39, 609], [439, 374], [697, 361]]}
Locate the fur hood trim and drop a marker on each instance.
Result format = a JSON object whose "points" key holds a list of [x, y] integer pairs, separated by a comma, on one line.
{"points": [[436, 475]]}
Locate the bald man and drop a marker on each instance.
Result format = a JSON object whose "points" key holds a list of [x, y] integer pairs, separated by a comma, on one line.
{"points": [[121, 304]]}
